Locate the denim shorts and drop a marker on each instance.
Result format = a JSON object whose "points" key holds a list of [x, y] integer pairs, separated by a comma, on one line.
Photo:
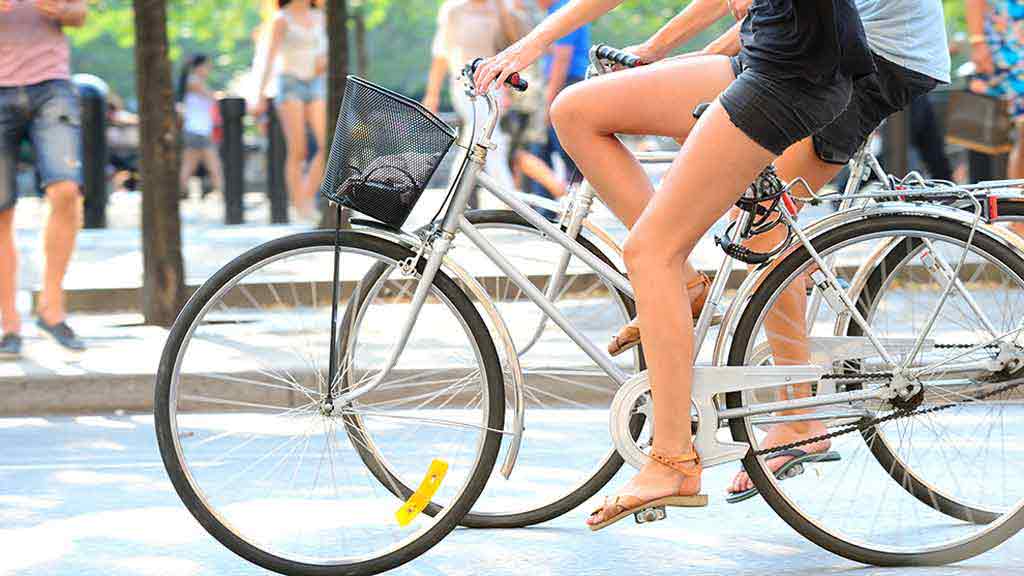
{"points": [[294, 88], [193, 141], [779, 112], [875, 97], [48, 115]]}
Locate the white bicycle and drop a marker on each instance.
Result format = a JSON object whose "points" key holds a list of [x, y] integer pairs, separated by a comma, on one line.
{"points": [[360, 410]]}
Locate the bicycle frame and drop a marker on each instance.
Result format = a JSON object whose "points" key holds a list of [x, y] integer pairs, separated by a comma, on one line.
{"points": [[709, 382]]}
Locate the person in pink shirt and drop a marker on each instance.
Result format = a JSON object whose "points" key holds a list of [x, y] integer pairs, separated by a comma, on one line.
{"points": [[39, 104]]}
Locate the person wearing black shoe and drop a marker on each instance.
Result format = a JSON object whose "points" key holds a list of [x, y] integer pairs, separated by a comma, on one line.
{"points": [[38, 104], [10, 346]]}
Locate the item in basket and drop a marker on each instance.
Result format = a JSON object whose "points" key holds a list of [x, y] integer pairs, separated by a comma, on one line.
{"points": [[389, 179]]}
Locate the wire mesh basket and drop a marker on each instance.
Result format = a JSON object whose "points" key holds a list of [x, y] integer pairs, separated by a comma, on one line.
{"points": [[386, 149]]}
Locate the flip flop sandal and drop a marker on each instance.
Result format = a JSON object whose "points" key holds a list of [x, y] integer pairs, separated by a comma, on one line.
{"points": [[790, 469], [629, 336], [654, 510]]}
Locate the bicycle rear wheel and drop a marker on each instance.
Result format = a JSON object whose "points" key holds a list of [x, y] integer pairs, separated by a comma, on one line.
{"points": [[937, 484], [267, 467], [563, 461]]}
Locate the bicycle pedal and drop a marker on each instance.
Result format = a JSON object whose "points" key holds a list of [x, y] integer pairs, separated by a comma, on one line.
{"points": [[650, 515], [794, 471]]}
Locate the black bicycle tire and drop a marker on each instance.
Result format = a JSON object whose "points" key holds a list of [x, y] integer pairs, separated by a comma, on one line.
{"points": [[489, 447], [737, 357]]}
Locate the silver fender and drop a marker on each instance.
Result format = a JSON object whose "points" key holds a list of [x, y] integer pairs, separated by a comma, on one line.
{"points": [[498, 329], [753, 280]]}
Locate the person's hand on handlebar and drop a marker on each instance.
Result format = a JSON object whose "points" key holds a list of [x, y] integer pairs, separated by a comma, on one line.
{"points": [[646, 53], [496, 70]]}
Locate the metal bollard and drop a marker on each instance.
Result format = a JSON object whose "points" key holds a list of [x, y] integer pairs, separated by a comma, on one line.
{"points": [[277, 188], [232, 111], [93, 97]]}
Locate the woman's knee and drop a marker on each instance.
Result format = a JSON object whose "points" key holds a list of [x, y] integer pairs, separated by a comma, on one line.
{"points": [[646, 251], [571, 109], [64, 196]]}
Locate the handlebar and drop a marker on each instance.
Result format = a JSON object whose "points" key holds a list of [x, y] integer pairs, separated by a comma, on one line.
{"points": [[515, 81], [616, 56]]}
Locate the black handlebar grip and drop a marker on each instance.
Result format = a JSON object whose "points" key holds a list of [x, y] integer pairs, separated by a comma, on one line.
{"points": [[514, 81], [616, 56]]}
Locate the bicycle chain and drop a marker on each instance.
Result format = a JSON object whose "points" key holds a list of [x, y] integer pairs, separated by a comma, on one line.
{"points": [[868, 423]]}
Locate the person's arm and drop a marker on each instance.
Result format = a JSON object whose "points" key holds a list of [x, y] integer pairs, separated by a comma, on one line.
{"points": [[439, 65], [511, 27], [561, 59], [438, 72], [518, 56], [981, 54], [727, 44], [274, 44], [693, 20], [66, 12]]}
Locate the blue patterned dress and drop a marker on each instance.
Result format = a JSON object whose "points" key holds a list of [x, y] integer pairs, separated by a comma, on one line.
{"points": [[1004, 32]]}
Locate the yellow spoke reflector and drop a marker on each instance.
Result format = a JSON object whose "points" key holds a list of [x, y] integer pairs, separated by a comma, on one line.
{"points": [[421, 497]]}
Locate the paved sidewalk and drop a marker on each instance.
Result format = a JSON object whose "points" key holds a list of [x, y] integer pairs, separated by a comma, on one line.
{"points": [[89, 497], [117, 371]]}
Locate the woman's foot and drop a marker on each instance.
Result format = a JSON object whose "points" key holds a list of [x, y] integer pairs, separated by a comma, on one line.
{"points": [[662, 477], [629, 336], [779, 435]]}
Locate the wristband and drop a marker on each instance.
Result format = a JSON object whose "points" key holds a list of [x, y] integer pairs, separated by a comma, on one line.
{"points": [[977, 39]]}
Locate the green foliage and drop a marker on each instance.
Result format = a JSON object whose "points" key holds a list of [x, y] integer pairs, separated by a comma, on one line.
{"points": [[398, 42], [220, 28]]}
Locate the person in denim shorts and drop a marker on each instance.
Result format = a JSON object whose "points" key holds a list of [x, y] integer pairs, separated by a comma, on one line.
{"points": [[38, 104], [802, 58], [298, 48]]}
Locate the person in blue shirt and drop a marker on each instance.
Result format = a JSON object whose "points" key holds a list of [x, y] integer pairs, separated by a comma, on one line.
{"points": [[564, 65]]}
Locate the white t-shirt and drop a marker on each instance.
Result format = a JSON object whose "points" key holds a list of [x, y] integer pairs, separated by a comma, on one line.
{"points": [[301, 46], [910, 33], [198, 111], [467, 30]]}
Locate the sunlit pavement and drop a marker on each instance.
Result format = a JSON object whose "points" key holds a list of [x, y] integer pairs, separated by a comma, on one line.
{"points": [[89, 496]]}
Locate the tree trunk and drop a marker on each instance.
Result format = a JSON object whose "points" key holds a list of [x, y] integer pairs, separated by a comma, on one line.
{"points": [[163, 290], [362, 56], [337, 70]]}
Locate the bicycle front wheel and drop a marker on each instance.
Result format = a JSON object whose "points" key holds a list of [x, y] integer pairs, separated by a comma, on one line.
{"points": [[926, 479], [268, 466]]}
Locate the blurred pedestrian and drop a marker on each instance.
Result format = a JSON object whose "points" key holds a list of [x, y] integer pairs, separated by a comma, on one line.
{"points": [[197, 103], [38, 103], [927, 138], [467, 30], [297, 54], [565, 64], [996, 36], [527, 125]]}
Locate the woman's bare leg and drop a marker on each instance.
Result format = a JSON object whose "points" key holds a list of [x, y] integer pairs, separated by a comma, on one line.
{"points": [[535, 169], [593, 112], [316, 116], [211, 157], [293, 124], [665, 228], [189, 162], [785, 324]]}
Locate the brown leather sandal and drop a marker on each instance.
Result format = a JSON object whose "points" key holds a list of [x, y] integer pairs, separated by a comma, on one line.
{"points": [[624, 505], [629, 336]]}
